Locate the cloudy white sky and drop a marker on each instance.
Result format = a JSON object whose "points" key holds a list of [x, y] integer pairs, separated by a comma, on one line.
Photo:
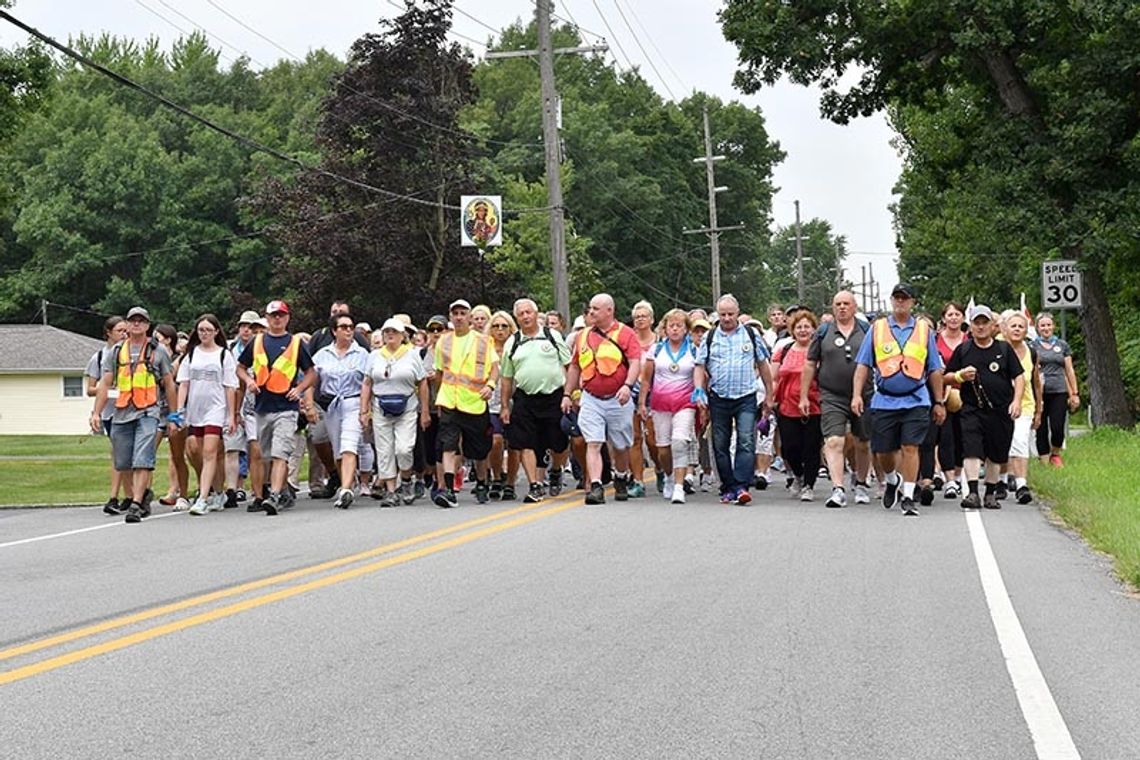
{"points": [[842, 174]]}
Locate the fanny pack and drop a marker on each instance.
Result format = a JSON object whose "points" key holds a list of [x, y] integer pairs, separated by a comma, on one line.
{"points": [[392, 404]]}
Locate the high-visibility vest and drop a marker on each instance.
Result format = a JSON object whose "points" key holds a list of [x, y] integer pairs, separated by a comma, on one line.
{"points": [[462, 380], [910, 359], [606, 359], [135, 382], [279, 377]]}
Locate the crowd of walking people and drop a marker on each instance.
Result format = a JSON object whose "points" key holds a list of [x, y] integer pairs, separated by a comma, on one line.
{"points": [[893, 406]]}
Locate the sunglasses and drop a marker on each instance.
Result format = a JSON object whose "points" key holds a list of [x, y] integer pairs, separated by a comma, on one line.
{"points": [[435, 329], [139, 320], [344, 326], [501, 326]]}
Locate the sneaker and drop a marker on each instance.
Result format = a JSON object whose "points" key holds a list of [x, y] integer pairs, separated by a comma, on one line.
{"points": [[704, 483], [365, 488], [728, 498], [636, 490], [216, 502], [743, 498], [439, 497], [271, 504], [148, 500], [596, 494], [326, 491], [418, 489], [257, 505], [822, 472], [242, 495], [807, 493], [662, 478], [169, 499], [909, 508], [199, 507], [951, 490], [837, 500], [407, 492], [991, 501], [555, 483], [288, 499], [621, 488], [761, 483], [460, 476], [687, 485], [113, 507], [678, 496], [231, 499], [926, 496], [1002, 490], [778, 464], [862, 495], [939, 481], [1023, 495], [533, 494], [891, 495], [972, 501], [1055, 460], [482, 492], [343, 498], [496, 491], [134, 512], [509, 493], [181, 504]]}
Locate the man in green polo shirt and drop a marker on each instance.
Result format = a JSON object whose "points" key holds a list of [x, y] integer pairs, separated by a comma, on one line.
{"points": [[533, 376]]}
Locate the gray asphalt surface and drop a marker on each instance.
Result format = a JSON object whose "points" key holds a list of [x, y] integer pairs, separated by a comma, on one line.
{"points": [[780, 630]]}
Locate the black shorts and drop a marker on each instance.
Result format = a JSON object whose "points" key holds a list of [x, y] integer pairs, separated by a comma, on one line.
{"points": [[536, 423], [891, 429], [986, 434], [469, 434]]}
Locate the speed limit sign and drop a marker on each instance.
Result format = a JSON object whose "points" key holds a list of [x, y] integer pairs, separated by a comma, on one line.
{"points": [[1060, 285]]}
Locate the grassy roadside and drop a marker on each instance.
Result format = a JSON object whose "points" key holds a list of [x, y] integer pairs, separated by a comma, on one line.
{"points": [[1095, 494]]}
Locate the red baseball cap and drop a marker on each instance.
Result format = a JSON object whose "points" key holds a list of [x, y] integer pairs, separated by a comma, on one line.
{"points": [[277, 307]]}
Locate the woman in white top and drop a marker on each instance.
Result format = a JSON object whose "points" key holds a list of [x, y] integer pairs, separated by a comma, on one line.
{"points": [[207, 391], [341, 367], [667, 369], [394, 396], [500, 327]]}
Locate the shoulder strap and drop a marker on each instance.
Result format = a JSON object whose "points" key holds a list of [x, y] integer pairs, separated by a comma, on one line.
{"points": [[514, 344], [606, 335]]}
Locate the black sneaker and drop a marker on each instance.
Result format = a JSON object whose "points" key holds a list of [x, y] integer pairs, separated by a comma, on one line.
{"points": [[231, 499], [325, 491], [596, 495], [271, 505], [891, 495], [496, 491], [257, 505], [418, 489], [690, 489], [113, 507], [242, 495], [621, 488], [148, 499], [1001, 491], [134, 512], [482, 493], [972, 501], [909, 508], [452, 498], [991, 501], [760, 483], [509, 492], [555, 481], [439, 498], [534, 494], [1023, 495], [287, 499], [926, 496]]}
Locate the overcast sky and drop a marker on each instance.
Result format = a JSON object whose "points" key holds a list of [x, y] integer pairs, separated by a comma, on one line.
{"points": [[842, 174]]}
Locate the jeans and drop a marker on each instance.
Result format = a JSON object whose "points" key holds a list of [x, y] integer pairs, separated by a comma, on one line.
{"points": [[735, 474]]}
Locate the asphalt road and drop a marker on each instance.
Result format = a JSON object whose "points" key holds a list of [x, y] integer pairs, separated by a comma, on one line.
{"points": [[642, 629]]}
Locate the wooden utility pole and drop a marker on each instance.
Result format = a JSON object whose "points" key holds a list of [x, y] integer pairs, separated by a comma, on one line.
{"points": [[551, 118], [799, 259], [713, 230]]}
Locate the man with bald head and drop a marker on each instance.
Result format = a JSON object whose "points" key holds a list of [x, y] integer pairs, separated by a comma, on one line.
{"points": [[831, 359], [604, 366]]}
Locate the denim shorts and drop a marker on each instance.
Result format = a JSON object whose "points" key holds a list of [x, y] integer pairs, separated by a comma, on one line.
{"points": [[606, 419], [133, 443]]}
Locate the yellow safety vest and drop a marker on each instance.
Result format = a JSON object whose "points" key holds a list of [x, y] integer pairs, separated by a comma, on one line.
{"points": [[279, 377], [464, 373], [910, 360], [136, 383]]}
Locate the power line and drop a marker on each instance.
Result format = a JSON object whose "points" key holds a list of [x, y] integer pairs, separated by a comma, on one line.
{"points": [[613, 36], [636, 39], [220, 39], [572, 21], [652, 44]]}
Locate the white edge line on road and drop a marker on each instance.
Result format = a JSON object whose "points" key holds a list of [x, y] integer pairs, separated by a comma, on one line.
{"points": [[66, 533], [1051, 738]]}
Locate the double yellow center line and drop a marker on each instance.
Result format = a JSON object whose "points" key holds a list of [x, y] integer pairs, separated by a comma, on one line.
{"points": [[483, 527]]}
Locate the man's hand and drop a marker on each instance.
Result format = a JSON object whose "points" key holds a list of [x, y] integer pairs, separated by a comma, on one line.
{"points": [[96, 423], [425, 419], [700, 397], [939, 414], [486, 392], [968, 374], [805, 406], [505, 414], [567, 404], [311, 415], [624, 394], [1014, 409], [857, 405]]}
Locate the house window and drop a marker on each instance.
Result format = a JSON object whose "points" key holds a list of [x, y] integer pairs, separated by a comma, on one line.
{"points": [[73, 387]]}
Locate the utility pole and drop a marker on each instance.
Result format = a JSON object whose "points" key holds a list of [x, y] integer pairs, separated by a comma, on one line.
{"points": [[43, 310], [551, 117], [713, 230], [799, 259]]}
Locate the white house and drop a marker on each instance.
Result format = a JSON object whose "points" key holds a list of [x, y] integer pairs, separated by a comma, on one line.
{"points": [[42, 388]]}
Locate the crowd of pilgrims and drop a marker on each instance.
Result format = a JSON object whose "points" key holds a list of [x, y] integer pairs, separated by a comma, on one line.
{"points": [[523, 403]]}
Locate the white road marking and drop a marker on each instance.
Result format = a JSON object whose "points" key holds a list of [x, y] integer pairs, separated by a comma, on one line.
{"points": [[1051, 738], [34, 539]]}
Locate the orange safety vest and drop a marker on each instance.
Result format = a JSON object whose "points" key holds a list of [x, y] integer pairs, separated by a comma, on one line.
{"points": [[279, 377], [135, 382], [910, 359], [606, 359]]}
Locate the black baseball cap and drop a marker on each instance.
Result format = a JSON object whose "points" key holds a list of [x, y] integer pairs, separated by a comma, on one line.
{"points": [[904, 289]]}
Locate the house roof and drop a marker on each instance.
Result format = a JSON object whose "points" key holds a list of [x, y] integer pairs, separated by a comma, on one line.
{"points": [[43, 348]]}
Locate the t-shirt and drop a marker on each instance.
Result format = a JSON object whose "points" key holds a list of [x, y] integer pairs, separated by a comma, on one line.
{"points": [[95, 371], [672, 376], [210, 374], [788, 381], [1051, 355], [835, 355], [997, 367], [604, 386], [537, 364], [161, 366], [1028, 404], [268, 402], [399, 376]]}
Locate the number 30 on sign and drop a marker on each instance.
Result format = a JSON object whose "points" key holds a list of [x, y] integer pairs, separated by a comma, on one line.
{"points": [[1060, 285]]}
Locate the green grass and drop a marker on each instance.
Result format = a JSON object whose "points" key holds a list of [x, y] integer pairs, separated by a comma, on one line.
{"points": [[1095, 494]]}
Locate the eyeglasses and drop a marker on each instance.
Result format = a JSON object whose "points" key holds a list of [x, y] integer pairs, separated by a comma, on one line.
{"points": [[435, 329], [206, 330], [344, 326], [277, 314], [138, 320], [501, 326]]}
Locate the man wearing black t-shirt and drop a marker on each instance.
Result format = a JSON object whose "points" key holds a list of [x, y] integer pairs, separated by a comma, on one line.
{"points": [[992, 382]]}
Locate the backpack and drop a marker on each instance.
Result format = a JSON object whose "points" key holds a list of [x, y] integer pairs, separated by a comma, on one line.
{"points": [[752, 336], [147, 357], [546, 335]]}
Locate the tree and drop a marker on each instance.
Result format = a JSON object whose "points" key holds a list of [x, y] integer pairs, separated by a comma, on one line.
{"points": [[1053, 85], [823, 253]]}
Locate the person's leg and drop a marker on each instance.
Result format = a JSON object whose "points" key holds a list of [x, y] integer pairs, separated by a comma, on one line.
{"points": [[722, 420], [210, 446], [384, 436], [1057, 417], [256, 470], [636, 453], [404, 435], [744, 417], [675, 456], [194, 454], [812, 444], [833, 450], [791, 444], [663, 426]]}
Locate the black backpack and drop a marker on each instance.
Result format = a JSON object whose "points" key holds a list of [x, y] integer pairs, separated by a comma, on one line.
{"points": [[546, 335], [752, 336]]}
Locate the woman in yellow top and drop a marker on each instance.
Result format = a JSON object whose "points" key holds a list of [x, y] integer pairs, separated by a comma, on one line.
{"points": [[1016, 326]]}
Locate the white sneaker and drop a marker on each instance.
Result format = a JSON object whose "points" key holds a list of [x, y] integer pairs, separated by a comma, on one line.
{"points": [[838, 498], [200, 507], [365, 489], [862, 496], [181, 505], [806, 494], [667, 490], [216, 502], [678, 496]]}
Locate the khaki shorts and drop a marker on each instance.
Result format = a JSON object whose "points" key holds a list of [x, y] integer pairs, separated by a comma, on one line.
{"points": [[277, 434]]}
